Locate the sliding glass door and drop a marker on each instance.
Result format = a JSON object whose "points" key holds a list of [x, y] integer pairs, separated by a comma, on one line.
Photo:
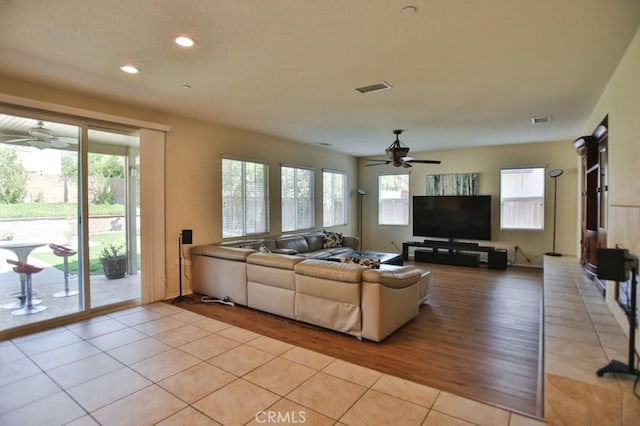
{"points": [[69, 204], [114, 237]]}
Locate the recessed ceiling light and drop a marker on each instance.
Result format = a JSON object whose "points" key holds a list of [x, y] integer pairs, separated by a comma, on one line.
{"points": [[185, 41], [130, 69]]}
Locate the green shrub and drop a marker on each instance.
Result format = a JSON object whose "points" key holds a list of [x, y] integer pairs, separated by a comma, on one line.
{"points": [[13, 177]]}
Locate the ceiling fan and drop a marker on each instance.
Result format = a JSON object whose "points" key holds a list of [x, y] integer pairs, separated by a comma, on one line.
{"points": [[397, 153], [40, 137]]}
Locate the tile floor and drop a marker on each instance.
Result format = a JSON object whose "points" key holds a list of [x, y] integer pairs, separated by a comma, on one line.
{"points": [[159, 364], [582, 336]]}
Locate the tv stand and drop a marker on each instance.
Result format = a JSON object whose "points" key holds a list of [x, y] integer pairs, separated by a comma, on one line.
{"points": [[450, 242], [455, 253]]}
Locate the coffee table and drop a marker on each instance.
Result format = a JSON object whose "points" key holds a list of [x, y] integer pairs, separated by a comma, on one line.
{"points": [[385, 258]]}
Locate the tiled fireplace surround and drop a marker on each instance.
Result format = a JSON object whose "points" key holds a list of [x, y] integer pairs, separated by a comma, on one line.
{"points": [[161, 364]]}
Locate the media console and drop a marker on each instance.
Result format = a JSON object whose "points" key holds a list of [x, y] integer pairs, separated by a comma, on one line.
{"points": [[455, 253]]}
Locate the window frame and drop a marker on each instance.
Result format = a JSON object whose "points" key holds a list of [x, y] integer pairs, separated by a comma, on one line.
{"points": [[538, 213], [243, 198], [296, 198], [325, 208], [405, 201]]}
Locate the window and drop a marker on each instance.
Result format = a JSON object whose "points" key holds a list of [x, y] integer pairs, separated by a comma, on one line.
{"points": [[244, 198], [297, 198], [393, 199], [522, 198], [334, 198]]}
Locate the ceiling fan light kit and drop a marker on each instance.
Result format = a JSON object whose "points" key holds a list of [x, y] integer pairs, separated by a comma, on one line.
{"points": [[397, 149]]}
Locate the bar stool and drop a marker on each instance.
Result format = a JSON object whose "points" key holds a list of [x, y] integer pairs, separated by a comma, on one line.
{"points": [[26, 269], [65, 253]]}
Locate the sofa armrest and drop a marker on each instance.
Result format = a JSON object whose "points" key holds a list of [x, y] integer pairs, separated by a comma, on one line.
{"points": [[389, 300], [393, 277]]}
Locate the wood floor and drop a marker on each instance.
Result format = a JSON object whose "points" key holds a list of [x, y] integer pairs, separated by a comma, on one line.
{"points": [[479, 338]]}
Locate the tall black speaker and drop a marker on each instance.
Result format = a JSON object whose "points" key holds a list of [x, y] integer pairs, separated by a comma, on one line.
{"points": [[185, 237], [615, 265]]}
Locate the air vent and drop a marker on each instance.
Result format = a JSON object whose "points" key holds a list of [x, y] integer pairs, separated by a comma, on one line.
{"points": [[540, 120], [374, 87]]}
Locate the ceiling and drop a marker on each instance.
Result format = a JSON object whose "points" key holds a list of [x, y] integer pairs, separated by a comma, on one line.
{"points": [[464, 72]]}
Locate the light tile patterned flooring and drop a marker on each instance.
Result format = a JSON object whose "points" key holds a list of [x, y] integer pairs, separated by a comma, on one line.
{"points": [[581, 336], [158, 364]]}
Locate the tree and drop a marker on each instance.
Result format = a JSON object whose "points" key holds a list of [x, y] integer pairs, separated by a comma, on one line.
{"points": [[13, 177], [104, 171], [69, 171]]}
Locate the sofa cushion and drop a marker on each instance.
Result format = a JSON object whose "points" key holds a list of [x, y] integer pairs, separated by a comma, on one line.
{"points": [[270, 244], [294, 242], [345, 272], [332, 239], [315, 240]]}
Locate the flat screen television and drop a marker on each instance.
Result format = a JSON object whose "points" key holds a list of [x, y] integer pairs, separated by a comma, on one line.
{"points": [[466, 217]]}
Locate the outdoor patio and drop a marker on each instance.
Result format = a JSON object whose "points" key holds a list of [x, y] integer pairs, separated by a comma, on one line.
{"points": [[50, 281]]}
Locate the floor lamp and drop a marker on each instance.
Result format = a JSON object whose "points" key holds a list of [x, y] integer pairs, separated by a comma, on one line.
{"points": [[361, 192], [185, 237], [615, 265], [555, 174]]}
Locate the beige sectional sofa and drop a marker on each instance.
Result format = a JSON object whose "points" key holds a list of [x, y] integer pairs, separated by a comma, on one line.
{"points": [[365, 303]]}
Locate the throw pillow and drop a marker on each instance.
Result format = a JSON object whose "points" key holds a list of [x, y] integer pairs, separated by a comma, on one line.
{"points": [[264, 249], [332, 239], [368, 263]]}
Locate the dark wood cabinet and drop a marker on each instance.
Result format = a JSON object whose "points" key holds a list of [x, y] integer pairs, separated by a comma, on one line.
{"points": [[594, 189]]}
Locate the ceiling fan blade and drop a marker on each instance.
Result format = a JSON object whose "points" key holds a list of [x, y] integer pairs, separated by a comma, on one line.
{"points": [[62, 141], [425, 161], [381, 163], [66, 139], [40, 144], [406, 164], [16, 140], [57, 143]]}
